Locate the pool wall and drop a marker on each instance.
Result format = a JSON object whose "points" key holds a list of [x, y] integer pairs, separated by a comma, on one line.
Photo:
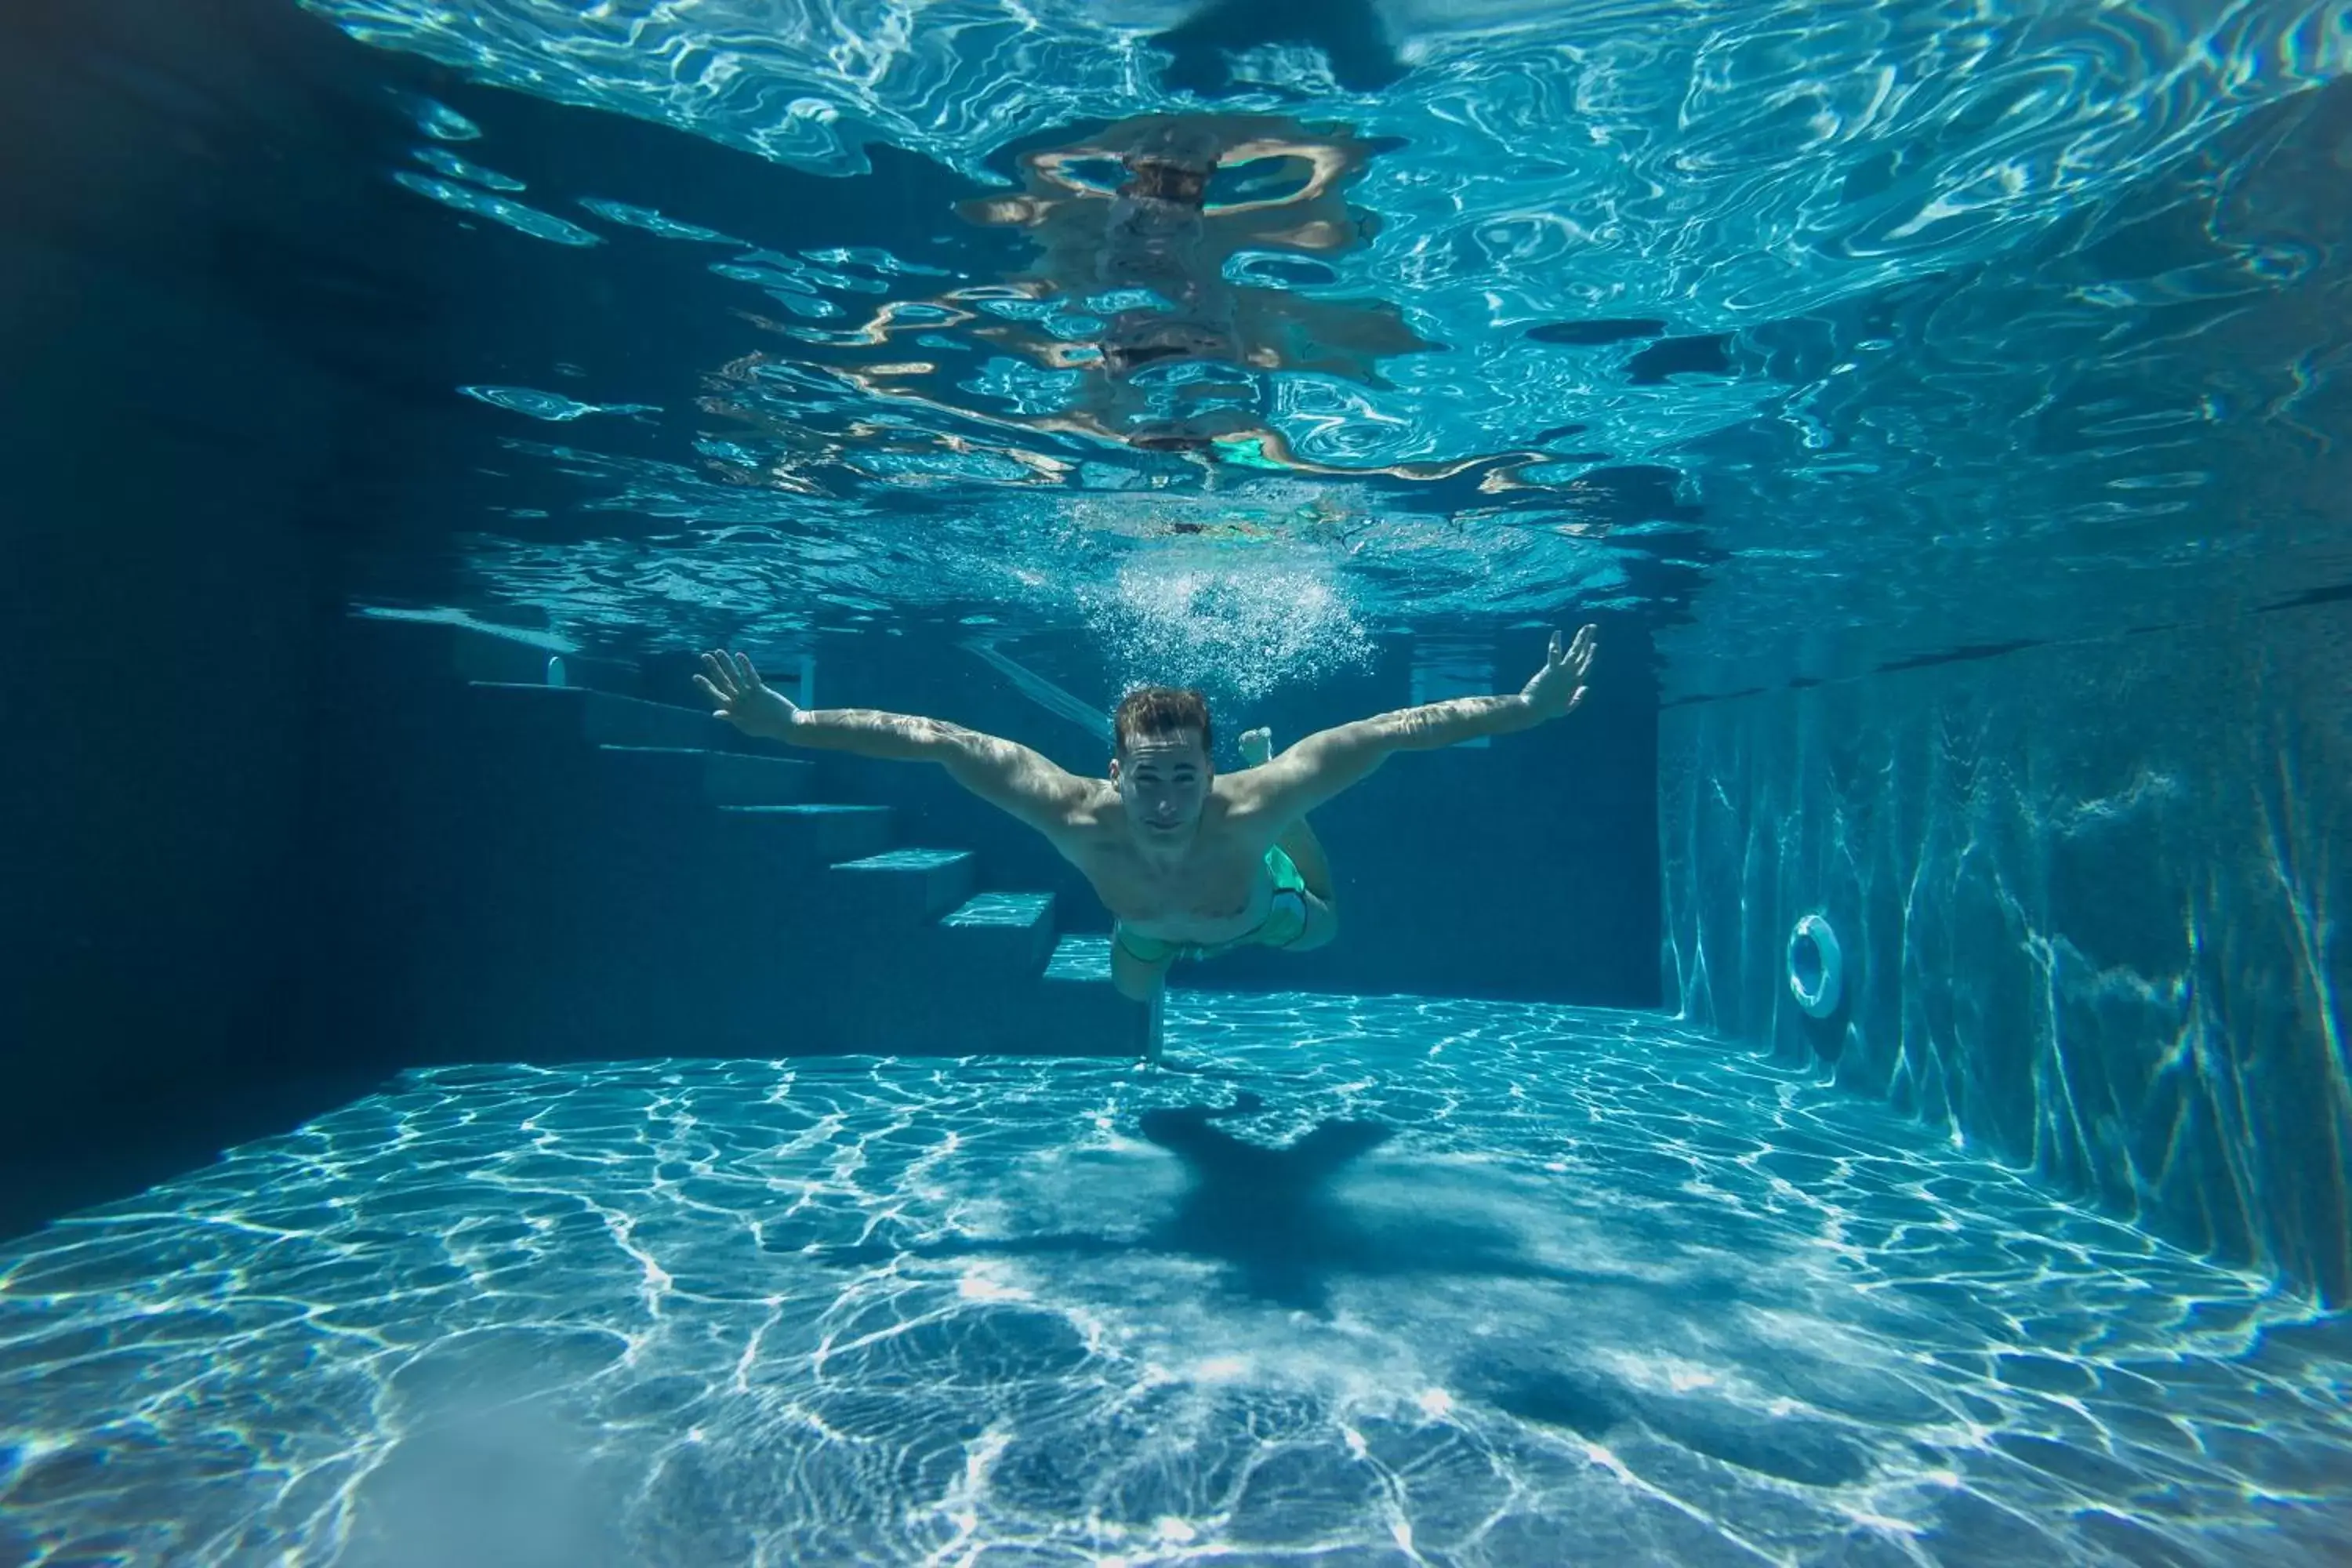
{"points": [[2091, 900], [197, 433]]}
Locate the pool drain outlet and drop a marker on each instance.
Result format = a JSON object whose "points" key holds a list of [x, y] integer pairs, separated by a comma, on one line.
{"points": [[1816, 967]]}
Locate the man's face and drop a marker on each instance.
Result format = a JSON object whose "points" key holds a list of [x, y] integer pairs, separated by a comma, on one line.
{"points": [[1164, 779]]}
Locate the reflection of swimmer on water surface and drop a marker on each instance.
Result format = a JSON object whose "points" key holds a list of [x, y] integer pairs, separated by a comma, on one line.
{"points": [[1220, 438], [1169, 252], [1161, 225], [1165, 239]]}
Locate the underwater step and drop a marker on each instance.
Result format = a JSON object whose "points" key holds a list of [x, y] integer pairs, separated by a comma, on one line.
{"points": [[947, 1009], [1080, 959], [721, 778], [1083, 1016], [930, 991], [1016, 930], [1080, 1004], [799, 835], [603, 719], [475, 651], [913, 884]]}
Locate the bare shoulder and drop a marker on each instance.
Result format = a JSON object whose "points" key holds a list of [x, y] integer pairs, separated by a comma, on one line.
{"points": [[1096, 818], [1250, 802], [1025, 783], [1084, 806], [1094, 803], [1320, 766], [1242, 794]]}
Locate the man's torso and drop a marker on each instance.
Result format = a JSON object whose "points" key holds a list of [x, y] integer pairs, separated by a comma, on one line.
{"points": [[1219, 889]]}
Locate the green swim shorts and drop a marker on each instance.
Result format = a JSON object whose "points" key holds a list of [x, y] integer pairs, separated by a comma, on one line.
{"points": [[1285, 922]]}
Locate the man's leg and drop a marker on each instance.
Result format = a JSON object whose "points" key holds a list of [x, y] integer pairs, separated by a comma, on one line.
{"points": [[1137, 979], [1141, 980]]}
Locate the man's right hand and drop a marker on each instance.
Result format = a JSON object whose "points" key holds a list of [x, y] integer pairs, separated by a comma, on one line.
{"points": [[744, 700], [1555, 690]]}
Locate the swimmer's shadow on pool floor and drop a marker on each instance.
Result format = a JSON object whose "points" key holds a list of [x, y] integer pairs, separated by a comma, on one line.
{"points": [[1269, 1216]]}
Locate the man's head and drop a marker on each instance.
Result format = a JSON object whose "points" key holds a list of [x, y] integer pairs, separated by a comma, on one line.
{"points": [[1160, 762]]}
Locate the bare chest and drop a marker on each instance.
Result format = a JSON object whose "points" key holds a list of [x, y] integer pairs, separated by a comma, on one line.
{"points": [[1214, 893]]}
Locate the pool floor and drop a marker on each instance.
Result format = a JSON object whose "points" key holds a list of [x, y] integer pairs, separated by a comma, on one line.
{"points": [[1380, 1282]]}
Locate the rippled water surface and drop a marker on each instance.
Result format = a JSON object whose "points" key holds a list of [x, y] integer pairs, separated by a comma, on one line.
{"points": [[1818, 336], [1377, 1282]]}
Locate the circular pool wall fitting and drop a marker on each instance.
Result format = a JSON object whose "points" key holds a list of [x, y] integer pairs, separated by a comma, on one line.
{"points": [[1816, 967]]}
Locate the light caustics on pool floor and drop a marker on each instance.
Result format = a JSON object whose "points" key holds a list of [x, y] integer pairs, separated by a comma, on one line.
{"points": [[1459, 1283]]}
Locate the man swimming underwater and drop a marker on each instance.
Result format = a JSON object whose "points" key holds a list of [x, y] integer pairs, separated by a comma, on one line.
{"points": [[1190, 862]]}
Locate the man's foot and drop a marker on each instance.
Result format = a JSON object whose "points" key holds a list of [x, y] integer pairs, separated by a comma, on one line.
{"points": [[1150, 1065], [1257, 747]]}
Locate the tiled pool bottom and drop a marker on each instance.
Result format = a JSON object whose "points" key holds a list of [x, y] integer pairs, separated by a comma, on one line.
{"points": [[1475, 1284]]}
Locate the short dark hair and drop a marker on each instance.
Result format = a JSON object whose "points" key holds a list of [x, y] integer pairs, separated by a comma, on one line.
{"points": [[1159, 711]]}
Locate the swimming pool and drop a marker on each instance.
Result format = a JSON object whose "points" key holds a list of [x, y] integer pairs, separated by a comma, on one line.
{"points": [[1944, 412], [1374, 1280]]}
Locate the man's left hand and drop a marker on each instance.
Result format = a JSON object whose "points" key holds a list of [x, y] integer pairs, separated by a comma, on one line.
{"points": [[1555, 689]]}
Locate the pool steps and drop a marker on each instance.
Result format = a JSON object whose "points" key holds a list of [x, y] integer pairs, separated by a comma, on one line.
{"points": [[884, 948]]}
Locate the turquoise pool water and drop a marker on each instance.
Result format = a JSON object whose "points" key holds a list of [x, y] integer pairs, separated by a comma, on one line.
{"points": [[982, 358], [1815, 336], [1374, 1281]]}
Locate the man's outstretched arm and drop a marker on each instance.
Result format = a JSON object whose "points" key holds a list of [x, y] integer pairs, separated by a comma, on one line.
{"points": [[1010, 777], [1329, 761]]}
